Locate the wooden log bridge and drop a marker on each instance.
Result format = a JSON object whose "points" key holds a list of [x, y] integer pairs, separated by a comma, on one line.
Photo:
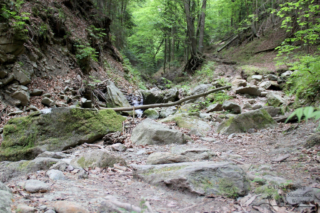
{"points": [[167, 104]]}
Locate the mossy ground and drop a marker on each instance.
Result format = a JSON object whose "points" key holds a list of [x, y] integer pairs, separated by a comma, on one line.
{"points": [[56, 131]]}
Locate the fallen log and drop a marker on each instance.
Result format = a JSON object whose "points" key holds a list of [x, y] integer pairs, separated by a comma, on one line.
{"points": [[167, 104]]}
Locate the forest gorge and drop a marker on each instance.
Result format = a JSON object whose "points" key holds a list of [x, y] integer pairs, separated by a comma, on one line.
{"points": [[159, 106]]}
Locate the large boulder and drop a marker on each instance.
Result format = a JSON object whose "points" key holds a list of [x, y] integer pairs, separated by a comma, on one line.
{"points": [[61, 128], [158, 96], [195, 124], [114, 97], [201, 178], [257, 119], [96, 158], [151, 132], [9, 170]]}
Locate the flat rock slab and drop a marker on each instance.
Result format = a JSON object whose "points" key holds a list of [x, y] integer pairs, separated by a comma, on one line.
{"points": [[151, 132], [201, 178], [34, 186]]}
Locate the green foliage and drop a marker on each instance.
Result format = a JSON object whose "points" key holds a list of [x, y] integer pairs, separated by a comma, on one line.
{"points": [[306, 113], [17, 20], [133, 75], [95, 32], [86, 51], [220, 97], [207, 70], [305, 81]]}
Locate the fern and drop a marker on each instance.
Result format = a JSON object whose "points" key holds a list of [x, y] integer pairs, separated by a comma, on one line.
{"points": [[306, 113]]}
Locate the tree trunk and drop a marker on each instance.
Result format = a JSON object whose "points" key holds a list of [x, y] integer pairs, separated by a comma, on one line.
{"points": [[202, 24]]}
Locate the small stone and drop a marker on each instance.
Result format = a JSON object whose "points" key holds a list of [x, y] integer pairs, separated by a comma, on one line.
{"points": [[36, 92], [232, 107], [257, 77], [22, 96], [32, 108], [119, 147], [257, 106], [69, 207], [47, 102], [83, 175], [18, 112], [56, 175], [286, 74], [23, 208], [247, 106], [47, 95], [34, 186], [272, 77]]}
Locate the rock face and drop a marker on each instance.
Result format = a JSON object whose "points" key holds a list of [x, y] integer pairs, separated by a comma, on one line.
{"points": [[114, 97], [96, 158], [9, 170], [157, 96], [232, 107], [151, 132], [257, 119], [192, 123], [26, 137], [202, 178]]}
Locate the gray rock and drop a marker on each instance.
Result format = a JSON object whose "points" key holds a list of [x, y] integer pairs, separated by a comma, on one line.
{"points": [[69, 207], [47, 102], [273, 111], [249, 90], [7, 80], [9, 170], [272, 77], [61, 166], [195, 154], [33, 108], [257, 106], [201, 89], [5, 201], [167, 111], [214, 107], [3, 74], [151, 132], [22, 74], [265, 85], [257, 77], [118, 147], [96, 158], [151, 113], [36, 92], [114, 97], [47, 95], [303, 195], [257, 119], [247, 106], [22, 96], [166, 158], [56, 175], [286, 74], [23, 208], [157, 96], [56, 155], [312, 140], [18, 112], [275, 99], [35, 186], [4, 187], [201, 178], [232, 107], [238, 83]]}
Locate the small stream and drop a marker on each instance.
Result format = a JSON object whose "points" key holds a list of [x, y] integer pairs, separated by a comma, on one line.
{"points": [[136, 101]]}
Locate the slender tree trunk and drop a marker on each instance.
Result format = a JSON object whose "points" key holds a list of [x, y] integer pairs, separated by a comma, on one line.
{"points": [[202, 25], [165, 54]]}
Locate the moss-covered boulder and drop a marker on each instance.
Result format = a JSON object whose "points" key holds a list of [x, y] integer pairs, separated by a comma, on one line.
{"points": [[257, 119], [151, 113], [62, 128], [313, 140], [201, 178], [97, 158]]}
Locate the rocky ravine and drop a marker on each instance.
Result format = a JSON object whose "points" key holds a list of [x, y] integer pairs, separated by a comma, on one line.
{"points": [[230, 157]]}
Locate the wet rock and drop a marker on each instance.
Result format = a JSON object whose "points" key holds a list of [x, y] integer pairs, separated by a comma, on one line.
{"points": [[214, 107], [9, 170], [35, 186], [22, 96], [151, 113], [189, 122], [257, 119], [249, 90], [167, 111], [69, 207], [23, 208], [151, 132], [5, 201], [313, 140], [47, 102], [201, 178], [157, 96], [166, 158], [232, 107], [96, 158], [56, 175], [275, 99], [119, 147], [36, 92], [57, 130]]}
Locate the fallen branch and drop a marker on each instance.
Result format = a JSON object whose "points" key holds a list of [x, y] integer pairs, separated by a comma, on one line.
{"points": [[167, 104]]}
